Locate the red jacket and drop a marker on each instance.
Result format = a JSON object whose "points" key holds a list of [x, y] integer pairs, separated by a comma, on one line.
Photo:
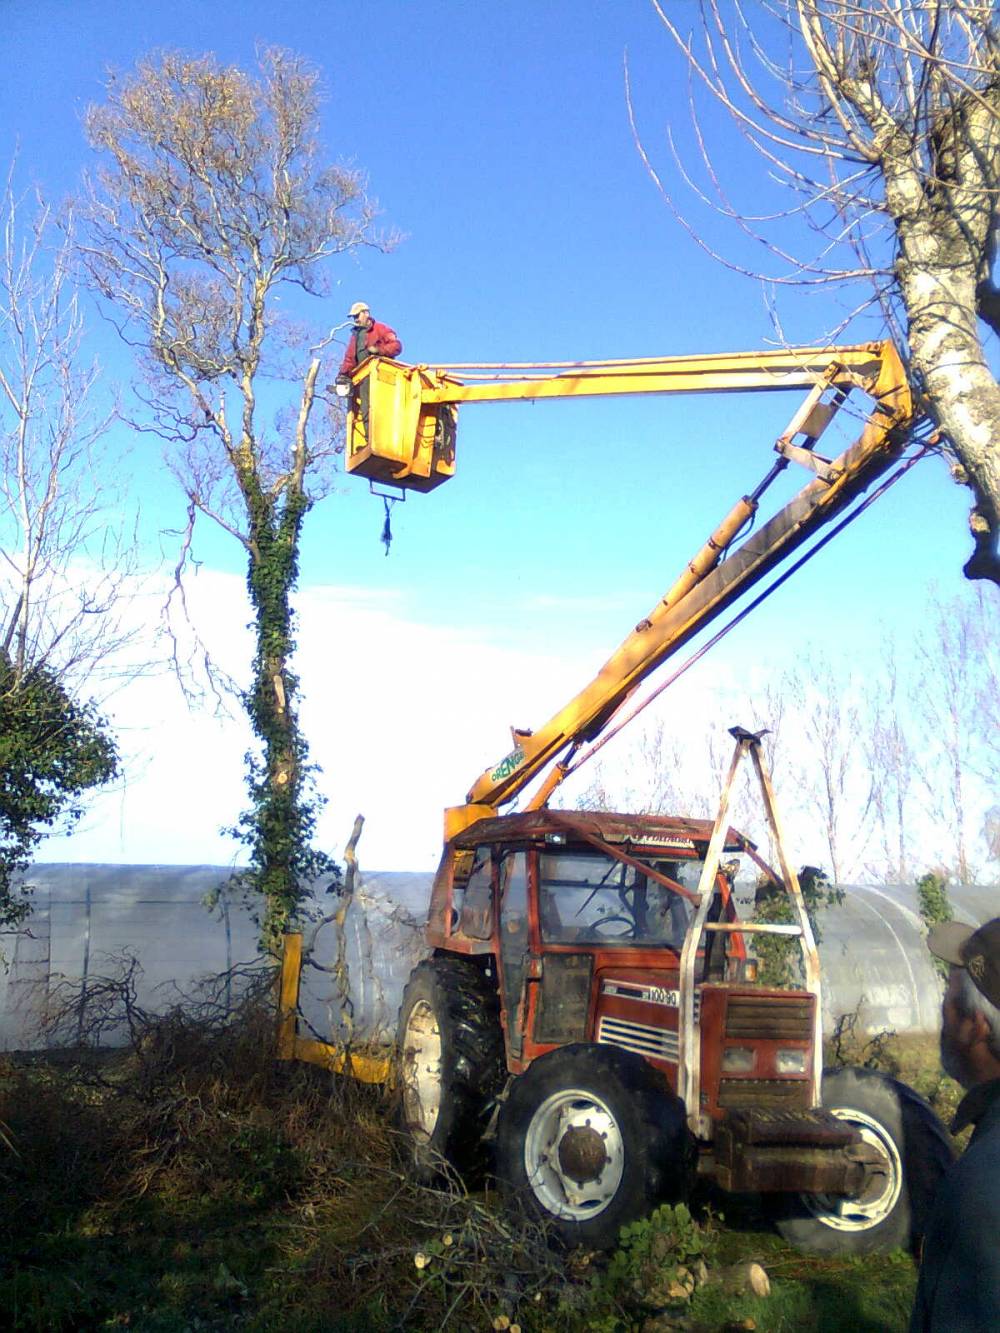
{"points": [[379, 339]]}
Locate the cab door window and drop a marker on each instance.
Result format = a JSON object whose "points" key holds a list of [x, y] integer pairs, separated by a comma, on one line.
{"points": [[513, 941], [476, 914]]}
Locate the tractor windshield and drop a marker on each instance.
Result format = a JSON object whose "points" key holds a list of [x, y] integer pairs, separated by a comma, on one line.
{"points": [[588, 898]]}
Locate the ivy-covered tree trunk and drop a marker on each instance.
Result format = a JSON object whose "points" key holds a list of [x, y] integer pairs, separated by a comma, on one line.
{"points": [[278, 828]]}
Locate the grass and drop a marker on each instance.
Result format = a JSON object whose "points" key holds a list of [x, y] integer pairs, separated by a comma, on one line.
{"points": [[190, 1183]]}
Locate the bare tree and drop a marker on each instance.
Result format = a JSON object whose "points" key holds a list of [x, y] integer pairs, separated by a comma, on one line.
{"points": [[959, 742], [211, 212], [882, 120], [64, 563], [655, 777], [833, 786], [65, 556], [987, 652], [895, 767]]}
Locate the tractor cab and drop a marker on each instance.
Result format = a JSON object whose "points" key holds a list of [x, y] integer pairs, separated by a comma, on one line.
{"points": [[586, 917]]}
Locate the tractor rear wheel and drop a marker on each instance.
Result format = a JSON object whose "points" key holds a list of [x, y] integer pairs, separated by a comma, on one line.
{"points": [[450, 1062], [589, 1138]]}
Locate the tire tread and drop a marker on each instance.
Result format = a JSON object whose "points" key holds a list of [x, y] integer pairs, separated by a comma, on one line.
{"points": [[659, 1147], [473, 1067]]}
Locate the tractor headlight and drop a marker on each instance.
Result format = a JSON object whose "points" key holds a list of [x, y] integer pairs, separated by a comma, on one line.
{"points": [[791, 1062], [738, 1059]]}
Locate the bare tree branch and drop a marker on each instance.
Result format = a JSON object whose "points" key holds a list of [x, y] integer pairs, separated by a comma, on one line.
{"points": [[882, 120], [67, 557]]}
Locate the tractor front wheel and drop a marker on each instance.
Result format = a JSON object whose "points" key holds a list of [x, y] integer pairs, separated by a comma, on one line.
{"points": [[590, 1137], [912, 1150]]}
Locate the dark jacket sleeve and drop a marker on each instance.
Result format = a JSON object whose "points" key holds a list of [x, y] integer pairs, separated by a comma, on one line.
{"points": [[959, 1286]]}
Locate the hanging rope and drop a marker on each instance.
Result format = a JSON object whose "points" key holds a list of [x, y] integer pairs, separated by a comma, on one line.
{"points": [[386, 538]]}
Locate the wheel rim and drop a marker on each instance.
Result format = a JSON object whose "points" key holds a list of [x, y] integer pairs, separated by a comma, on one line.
{"points": [[574, 1155], [881, 1193], [421, 1070]]}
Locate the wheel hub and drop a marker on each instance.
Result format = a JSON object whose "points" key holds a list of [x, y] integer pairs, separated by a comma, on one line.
{"points": [[574, 1154], [581, 1153]]}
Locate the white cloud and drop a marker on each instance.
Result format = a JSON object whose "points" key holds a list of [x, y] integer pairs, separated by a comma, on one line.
{"points": [[400, 716]]}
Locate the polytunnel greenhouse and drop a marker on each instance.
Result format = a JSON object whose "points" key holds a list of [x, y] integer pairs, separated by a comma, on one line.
{"points": [[190, 935]]}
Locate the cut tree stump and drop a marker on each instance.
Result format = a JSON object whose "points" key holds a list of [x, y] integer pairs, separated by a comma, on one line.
{"points": [[748, 1278]]}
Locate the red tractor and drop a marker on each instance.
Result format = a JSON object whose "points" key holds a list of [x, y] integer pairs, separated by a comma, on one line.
{"points": [[592, 1005]]}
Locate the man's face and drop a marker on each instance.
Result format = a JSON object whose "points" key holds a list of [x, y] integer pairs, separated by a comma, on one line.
{"points": [[363, 319], [957, 1031]]}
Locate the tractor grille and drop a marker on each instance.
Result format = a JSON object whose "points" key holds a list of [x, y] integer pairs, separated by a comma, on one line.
{"points": [[654, 1043], [742, 1093], [775, 1018]]}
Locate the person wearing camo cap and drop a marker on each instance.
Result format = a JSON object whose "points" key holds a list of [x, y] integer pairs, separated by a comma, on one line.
{"points": [[958, 1290]]}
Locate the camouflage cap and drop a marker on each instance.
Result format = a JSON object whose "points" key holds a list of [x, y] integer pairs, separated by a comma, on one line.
{"points": [[977, 949]]}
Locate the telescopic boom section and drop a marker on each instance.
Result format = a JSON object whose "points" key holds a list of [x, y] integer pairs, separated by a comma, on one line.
{"points": [[401, 429], [408, 440]]}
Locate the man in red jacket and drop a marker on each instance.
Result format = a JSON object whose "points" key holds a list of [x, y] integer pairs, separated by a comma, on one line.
{"points": [[368, 338]]}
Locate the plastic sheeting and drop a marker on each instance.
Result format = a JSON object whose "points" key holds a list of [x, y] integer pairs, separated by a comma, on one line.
{"points": [[383, 942], [87, 919], [875, 961]]}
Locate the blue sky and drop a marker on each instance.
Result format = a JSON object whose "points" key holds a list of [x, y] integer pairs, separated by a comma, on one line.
{"points": [[496, 139]]}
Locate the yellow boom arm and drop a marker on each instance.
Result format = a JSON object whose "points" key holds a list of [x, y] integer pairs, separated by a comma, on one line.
{"points": [[409, 440], [401, 430]]}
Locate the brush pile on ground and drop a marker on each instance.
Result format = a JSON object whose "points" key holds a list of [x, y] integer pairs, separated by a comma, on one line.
{"points": [[188, 1182]]}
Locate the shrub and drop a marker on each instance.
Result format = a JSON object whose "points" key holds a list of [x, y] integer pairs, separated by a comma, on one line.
{"points": [[932, 900], [778, 957]]}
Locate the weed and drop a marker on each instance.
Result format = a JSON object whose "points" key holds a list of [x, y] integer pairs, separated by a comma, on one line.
{"points": [[914, 1059]]}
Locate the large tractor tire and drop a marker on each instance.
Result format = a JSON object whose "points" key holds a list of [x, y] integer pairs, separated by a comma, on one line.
{"points": [[590, 1138], [893, 1209], [450, 1063]]}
